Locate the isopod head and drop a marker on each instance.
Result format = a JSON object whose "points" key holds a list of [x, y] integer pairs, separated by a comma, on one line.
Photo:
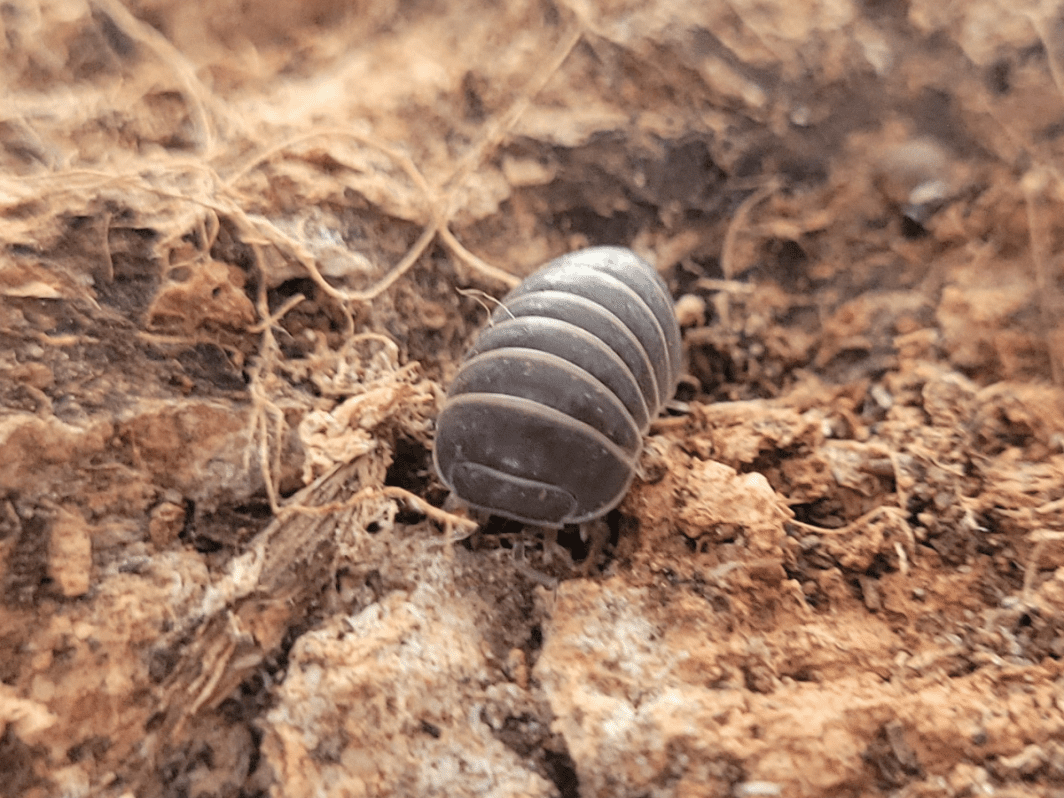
{"points": [[544, 421]]}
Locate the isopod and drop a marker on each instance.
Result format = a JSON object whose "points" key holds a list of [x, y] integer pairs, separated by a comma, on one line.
{"points": [[544, 420]]}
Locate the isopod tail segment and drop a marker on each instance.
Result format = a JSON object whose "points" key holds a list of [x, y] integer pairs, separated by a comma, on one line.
{"points": [[544, 421]]}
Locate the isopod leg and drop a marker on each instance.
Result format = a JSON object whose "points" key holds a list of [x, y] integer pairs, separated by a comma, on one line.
{"points": [[550, 545], [597, 533]]}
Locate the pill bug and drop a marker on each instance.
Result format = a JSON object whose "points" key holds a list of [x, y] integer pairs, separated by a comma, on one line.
{"points": [[544, 420]]}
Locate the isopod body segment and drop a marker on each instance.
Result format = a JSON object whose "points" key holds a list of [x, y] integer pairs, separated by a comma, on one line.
{"points": [[544, 420]]}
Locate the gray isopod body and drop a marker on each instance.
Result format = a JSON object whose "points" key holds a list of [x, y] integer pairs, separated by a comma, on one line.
{"points": [[544, 421]]}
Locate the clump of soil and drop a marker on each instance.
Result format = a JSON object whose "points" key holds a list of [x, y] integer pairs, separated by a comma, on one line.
{"points": [[242, 250]]}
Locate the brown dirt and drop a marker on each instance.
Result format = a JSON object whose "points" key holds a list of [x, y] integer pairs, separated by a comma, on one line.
{"points": [[242, 246]]}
